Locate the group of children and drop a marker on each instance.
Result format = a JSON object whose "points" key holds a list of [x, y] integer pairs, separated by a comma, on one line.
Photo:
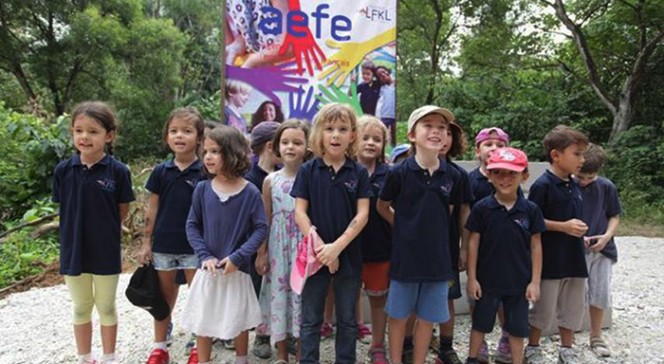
{"points": [[402, 232]]}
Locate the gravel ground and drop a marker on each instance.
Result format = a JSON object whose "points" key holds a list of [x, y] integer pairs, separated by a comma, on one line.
{"points": [[35, 325]]}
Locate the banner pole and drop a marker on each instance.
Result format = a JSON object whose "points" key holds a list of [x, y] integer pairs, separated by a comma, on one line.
{"points": [[222, 57]]}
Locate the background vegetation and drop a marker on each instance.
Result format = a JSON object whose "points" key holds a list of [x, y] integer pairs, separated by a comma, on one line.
{"points": [[597, 65]]}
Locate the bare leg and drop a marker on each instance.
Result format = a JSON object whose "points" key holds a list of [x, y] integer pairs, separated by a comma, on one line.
{"points": [[421, 339], [378, 320], [516, 346], [476, 338], [169, 290], [566, 336], [83, 336], [535, 335], [596, 316], [204, 348], [109, 336], [395, 336], [242, 343], [282, 350]]}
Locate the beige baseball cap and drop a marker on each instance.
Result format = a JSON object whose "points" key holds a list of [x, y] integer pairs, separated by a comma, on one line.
{"points": [[423, 111]]}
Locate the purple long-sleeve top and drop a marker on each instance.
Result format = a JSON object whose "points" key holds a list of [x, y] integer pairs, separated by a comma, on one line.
{"points": [[233, 228]]}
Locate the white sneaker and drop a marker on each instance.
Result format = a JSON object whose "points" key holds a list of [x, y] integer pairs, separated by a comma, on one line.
{"points": [[534, 355], [569, 356]]}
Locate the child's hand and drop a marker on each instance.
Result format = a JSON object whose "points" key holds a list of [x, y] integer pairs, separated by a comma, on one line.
{"points": [[145, 254], [576, 227], [463, 260], [596, 243], [210, 265], [334, 267], [262, 265], [227, 265], [327, 253], [474, 290], [533, 292]]}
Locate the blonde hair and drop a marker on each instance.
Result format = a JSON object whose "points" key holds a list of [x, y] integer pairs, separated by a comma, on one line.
{"points": [[328, 114], [233, 87], [365, 122]]}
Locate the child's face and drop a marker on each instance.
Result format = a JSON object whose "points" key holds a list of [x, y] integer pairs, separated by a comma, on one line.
{"points": [[384, 76], [484, 149], [337, 136], [90, 137], [447, 143], [212, 156], [367, 75], [371, 143], [584, 179], [239, 98], [429, 133], [182, 137], [570, 160], [269, 112], [505, 181], [292, 146]]}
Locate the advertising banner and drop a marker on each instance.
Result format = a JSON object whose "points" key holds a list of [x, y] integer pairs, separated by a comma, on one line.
{"points": [[287, 58]]}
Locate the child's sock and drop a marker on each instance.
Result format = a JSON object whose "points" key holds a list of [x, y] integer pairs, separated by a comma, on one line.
{"points": [[445, 344], [84, 358], [241, 359], [161, 345], [108, 357]]}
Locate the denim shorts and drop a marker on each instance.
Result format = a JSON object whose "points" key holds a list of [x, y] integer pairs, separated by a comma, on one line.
{"points": [[164, 261], [424, 299]]}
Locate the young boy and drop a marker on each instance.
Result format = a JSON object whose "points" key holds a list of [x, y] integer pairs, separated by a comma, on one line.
{"points": [[236, 94], [601, 212], [505, 253], [387, 102], [422, 188], [486, 141], [261, 146], [564, 269]]}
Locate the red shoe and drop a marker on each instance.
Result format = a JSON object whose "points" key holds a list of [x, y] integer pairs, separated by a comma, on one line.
{"points": [[363, 333], [193, 356], [158, 356]]}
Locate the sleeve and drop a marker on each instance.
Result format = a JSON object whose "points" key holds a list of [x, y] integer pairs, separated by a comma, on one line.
{"points": [[456, 195], [154, 181], [125, 191], [258, 232], [363, 184], [392, 186], [300, 187], [537, 224], [537, 194], [613, 207], [57, 176], [475, 219], [194, 226]]}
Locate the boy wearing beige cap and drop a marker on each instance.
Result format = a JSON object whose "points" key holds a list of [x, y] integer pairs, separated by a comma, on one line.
{"points": [[422, 190]]}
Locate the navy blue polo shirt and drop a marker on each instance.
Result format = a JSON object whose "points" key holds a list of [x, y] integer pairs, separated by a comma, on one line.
{"points": [[420, 238], [504, 263], [174, 188], [256, 176], [376, 237], [467, 197], [369, 96], [480, 185], [332, 201], [89, 216], [600, 203], [563, 255]]}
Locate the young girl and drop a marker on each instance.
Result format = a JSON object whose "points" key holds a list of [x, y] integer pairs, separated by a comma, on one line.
{"points": [[165, 241], [377, 235], [332, 193], [236, 94], [94, 191], [267, 111], [280, 306], [225, 226]]}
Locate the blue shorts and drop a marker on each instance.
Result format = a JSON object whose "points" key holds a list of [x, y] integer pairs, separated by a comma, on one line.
{"points": [[454, 291], [164, 261], [516, 314], [424, 299]]}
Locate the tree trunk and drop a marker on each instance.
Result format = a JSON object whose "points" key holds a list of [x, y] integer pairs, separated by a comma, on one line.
{"points": [[622, 119]]}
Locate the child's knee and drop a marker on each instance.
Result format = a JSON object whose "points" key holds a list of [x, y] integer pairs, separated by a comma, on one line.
{"points": [[107, 313], [82, 312]]}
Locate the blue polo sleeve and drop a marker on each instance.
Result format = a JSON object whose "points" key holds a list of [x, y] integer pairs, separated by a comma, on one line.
{"points": [[537, 194], [613, 207], [364, 184], [300, 187], [57, 176], [125, 191], [392, 186], [476, 218], [537, 224], [194, 227], [154, 181]]}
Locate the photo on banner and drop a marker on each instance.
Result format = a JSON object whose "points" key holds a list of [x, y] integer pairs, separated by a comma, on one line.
{"points": [[288, 58]]}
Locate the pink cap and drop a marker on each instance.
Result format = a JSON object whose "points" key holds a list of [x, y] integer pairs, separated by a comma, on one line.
{"points": [[508, 158], [306, 263], [492, 133]]}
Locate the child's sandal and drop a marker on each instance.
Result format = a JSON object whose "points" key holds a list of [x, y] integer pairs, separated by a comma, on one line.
{"points": [[599, 347], [280, 361]]}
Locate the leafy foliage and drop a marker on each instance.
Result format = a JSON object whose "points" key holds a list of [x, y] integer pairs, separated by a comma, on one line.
{"points": [[21, 255]]}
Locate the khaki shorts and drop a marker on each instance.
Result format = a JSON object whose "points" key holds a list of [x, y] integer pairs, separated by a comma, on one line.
{"points": [[598, 292], [561, 299]]}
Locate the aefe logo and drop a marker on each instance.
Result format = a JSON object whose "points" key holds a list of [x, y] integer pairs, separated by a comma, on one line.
{"points": [[297, 23]]}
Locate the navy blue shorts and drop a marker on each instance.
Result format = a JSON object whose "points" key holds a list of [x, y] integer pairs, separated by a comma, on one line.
{"points": [[424, 299], [516, 314]]}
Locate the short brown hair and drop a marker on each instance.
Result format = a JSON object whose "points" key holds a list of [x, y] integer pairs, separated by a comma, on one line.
{"points": [[595, 158], [561, 137], [189, 114], [459, 141], [291, 124], [102, 113], [234, 150], [327, 114]]}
